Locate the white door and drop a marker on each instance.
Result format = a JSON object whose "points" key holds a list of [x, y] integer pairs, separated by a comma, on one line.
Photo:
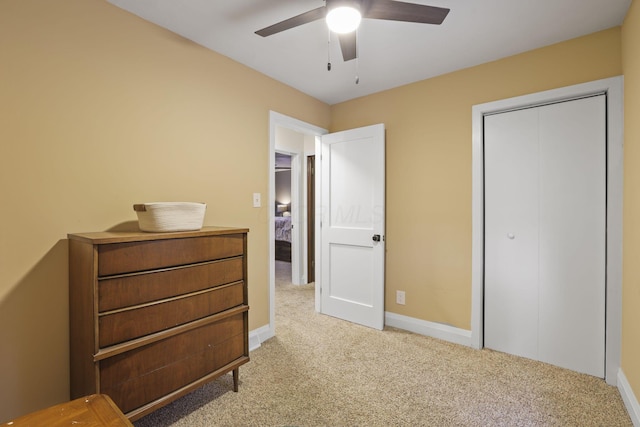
{"points": [[545, 233], [352, 204], [511, 233]]}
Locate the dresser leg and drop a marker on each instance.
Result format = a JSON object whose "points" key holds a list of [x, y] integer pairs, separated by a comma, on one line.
{"points": [[235, 379]]}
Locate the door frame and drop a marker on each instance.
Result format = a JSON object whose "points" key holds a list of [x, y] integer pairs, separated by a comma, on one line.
{"points": [[613, 88], [280, 120], [311, 222]]}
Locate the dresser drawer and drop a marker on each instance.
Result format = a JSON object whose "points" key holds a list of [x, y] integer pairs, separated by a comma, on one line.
{"points": [[148, 373], [124, 291], [119, 258], [136, 322]]}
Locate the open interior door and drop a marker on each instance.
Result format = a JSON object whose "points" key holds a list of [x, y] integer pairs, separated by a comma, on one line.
{"points": [[352, 205]]}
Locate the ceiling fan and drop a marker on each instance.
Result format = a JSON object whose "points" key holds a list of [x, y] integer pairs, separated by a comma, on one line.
{"points": [[372, 9]]}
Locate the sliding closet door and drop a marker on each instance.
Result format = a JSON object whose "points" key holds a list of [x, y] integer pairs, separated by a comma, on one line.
{"points": [[545, 237]]}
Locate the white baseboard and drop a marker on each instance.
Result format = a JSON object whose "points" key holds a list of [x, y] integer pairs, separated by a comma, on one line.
{"points": [[430, 329], [258, 336], [629, 398]]}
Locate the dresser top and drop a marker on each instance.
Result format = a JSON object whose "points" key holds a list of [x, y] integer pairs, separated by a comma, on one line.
{"points": [[102, 237]]}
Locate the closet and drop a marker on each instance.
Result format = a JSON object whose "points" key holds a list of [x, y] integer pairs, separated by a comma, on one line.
{"points": [[545, 233]]}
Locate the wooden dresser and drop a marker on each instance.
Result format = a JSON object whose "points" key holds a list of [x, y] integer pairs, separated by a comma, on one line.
{"points": [[154, 316]]}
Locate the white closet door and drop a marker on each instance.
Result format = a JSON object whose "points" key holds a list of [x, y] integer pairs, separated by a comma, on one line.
{"points": [[573, 235], [511, 233], [545, 205]]}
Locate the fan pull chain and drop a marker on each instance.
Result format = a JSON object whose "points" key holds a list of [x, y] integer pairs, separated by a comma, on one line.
{"points": [[329, 51], [357, 59]]}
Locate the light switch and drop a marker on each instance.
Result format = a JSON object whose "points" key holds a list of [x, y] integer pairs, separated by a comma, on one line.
{"points": [[256, 200]]}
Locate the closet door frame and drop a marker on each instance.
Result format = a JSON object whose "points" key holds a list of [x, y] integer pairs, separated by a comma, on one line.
{"points": [[613, 88]]}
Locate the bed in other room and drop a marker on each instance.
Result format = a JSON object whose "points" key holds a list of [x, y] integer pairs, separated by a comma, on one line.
{"points": [[283, 238]]}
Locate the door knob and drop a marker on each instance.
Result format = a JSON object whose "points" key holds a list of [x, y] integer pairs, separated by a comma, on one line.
{"points": [[511, 236], [376, 237]]}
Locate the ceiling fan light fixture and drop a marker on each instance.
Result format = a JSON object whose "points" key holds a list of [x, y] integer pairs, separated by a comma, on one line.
{"points": [[343, 19]]}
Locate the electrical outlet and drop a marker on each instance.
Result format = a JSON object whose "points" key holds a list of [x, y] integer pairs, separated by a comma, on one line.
{"points": [[400, 297], [256, 200]]}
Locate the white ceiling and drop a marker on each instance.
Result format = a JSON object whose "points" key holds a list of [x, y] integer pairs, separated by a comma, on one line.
{"points": [[390, 53]]}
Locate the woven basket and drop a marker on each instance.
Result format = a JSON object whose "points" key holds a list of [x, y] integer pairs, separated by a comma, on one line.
{"points": [[170, 216]]}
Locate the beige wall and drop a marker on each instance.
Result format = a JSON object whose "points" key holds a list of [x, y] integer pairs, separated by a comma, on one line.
{"points": [[631, 243], [429, 164], [100, 110]]}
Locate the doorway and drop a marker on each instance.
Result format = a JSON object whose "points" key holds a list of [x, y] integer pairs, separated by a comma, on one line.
{"points": [[612, 89], [283, 213], [280, 124]]}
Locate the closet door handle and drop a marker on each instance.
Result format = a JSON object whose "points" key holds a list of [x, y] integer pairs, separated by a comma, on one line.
{"points": [[376, 238]]}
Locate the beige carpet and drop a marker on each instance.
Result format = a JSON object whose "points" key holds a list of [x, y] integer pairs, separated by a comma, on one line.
{"points": [[320, 371]]}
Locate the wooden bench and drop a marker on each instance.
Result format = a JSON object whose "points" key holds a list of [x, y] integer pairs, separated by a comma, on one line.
{"points": [[96, 410]]}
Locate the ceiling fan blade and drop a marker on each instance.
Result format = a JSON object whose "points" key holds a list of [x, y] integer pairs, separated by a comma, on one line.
{"points": [[401, 11], [303, 18], [348, 46]]}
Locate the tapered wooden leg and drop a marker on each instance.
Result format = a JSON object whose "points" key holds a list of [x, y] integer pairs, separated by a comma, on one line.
{"points": [[235, 379]]}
